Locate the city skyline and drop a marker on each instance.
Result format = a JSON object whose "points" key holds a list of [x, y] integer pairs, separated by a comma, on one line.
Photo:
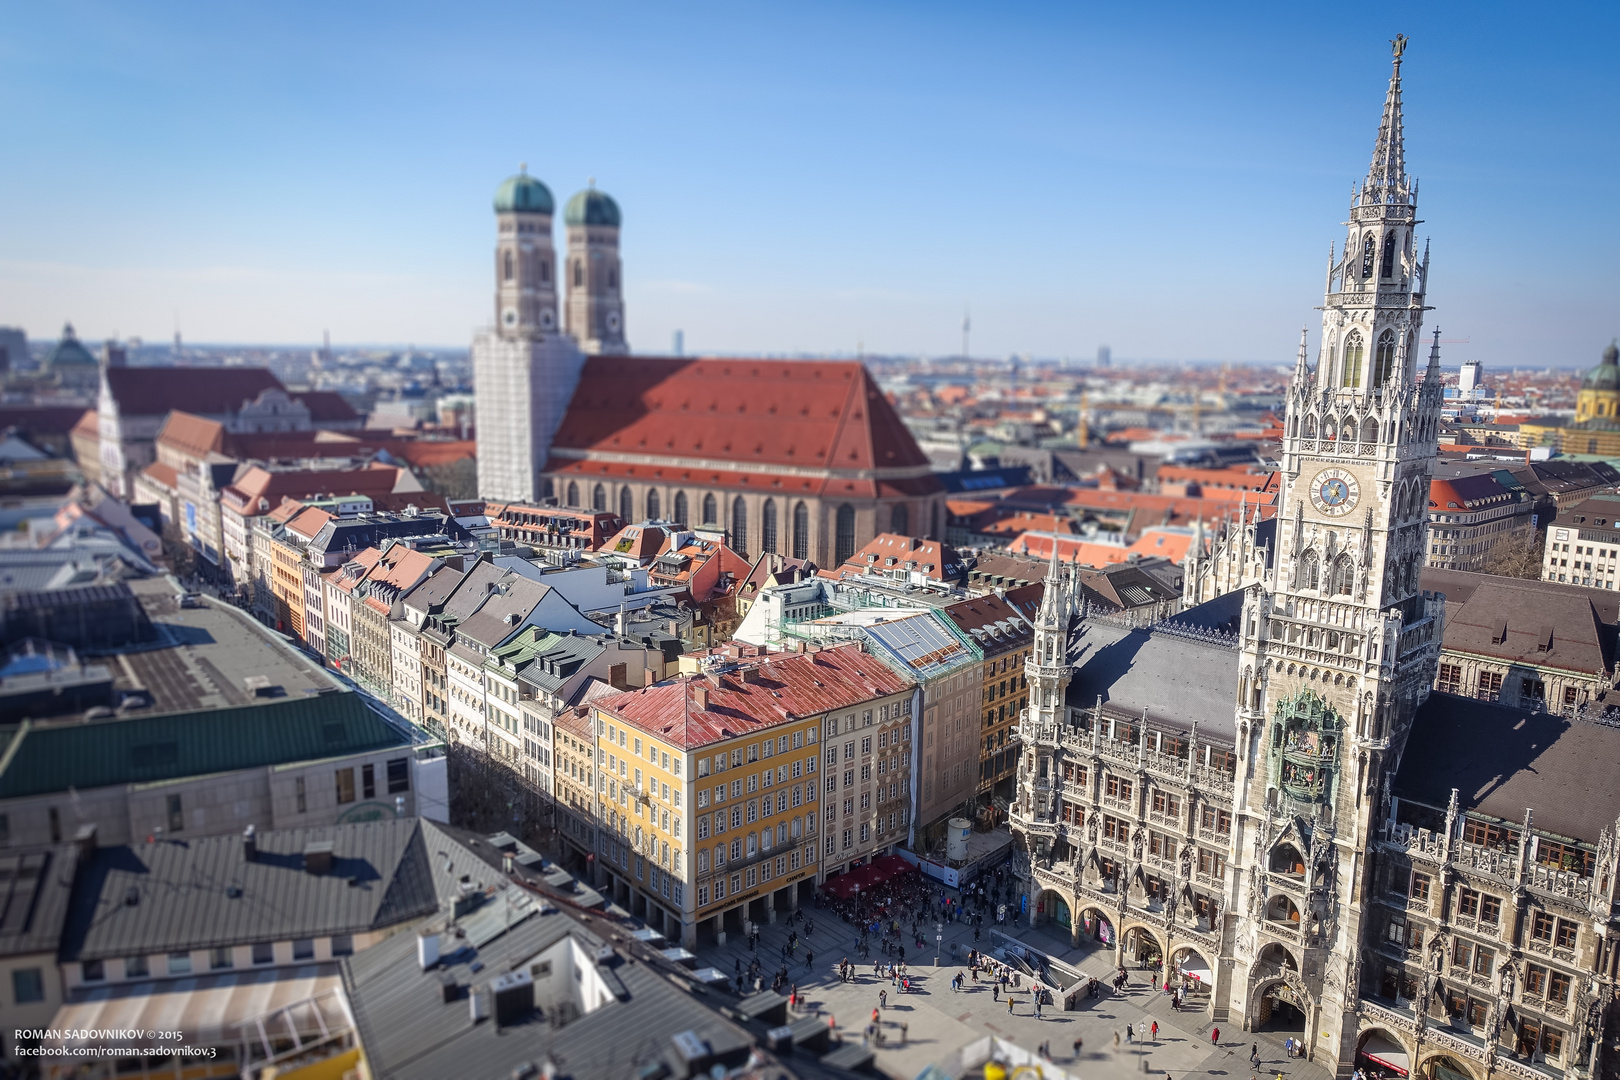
{"points": [[799, 199]]}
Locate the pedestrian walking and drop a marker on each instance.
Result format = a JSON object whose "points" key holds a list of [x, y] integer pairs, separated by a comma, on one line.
{"points": [[995, 991], [1078, 1043], [1116, 1038], [883, 999], [1254, 1055], [1155, 1031], [1215, 1037], [809, 958], [1009, 1004], [1130, 1033]]}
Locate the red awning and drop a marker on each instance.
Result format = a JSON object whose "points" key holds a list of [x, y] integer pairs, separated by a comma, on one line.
{"points": [[894, 866], [1385, 1053]]}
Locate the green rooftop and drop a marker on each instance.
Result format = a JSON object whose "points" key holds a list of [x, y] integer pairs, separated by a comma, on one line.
{"points": [[41, 758]]}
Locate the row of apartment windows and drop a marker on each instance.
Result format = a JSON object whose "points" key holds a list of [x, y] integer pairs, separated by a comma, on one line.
{"points": [[222, 958], [753, 875], [1544, 926]]}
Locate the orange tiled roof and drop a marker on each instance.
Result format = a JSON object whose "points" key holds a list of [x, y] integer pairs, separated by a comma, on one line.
{"points": [[697, 710], [194, 435]]}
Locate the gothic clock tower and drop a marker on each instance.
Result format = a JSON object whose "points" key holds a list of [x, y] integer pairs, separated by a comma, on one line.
{"points": [[1340, 652]]}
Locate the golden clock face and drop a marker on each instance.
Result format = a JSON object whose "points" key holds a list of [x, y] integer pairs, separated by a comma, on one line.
{"points": [[1334, 492]]}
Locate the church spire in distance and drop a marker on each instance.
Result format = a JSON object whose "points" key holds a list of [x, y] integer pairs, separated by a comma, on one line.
{"points": [[1386, 176]]}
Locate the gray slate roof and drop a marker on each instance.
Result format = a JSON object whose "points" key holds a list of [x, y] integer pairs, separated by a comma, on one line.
{"points": [[432, 593], [183, 890], [1176, 679], [1502, 760]]}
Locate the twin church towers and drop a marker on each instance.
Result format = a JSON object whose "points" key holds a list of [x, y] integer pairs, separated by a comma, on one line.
{"points": [[526, 366], [526, 275]]}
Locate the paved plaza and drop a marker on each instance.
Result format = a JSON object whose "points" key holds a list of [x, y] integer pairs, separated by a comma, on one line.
{"points": [[939, 1021]]}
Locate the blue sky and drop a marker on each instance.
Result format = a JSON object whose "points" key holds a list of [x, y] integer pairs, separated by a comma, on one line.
{"points": [[1165, 178]]}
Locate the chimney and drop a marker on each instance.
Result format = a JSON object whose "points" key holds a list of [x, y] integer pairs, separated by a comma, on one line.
{"points": [[619, 622], [85, 841], [427, 949], [649, 677], [618, 677], [750, 674], [318, 856], [250, 845], [700, 696]]}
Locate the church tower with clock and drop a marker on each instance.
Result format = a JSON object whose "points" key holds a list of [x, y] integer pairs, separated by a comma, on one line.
{"points": [[1340, 650]]}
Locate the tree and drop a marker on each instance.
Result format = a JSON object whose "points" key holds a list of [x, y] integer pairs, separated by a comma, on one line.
{"points": [[454, 480], [1517, 554]]}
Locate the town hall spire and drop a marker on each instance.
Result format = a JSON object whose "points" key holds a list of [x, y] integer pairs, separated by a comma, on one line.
{"points": [[1386, 176]]}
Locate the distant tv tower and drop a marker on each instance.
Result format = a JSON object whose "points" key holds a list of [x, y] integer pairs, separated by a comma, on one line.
{"points": [[326, 348], [967, 328], [177, 332]]}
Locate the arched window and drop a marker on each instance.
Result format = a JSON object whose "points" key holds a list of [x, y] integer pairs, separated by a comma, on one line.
{"points": [[1348, 435], [680, 515], [579, 273], [545, 270], [573, 493], [1369, 249], [767, 527], [507, 271], [1369, 430], [711, 511], [1388, 269], [739, 526], [1352, 360], [1310, 425], [801, 531], [547, 489], [599, 498], [844, 535], [1344, 575], [1310, 571], [652, 505], [1384, 358], [1330, 427], [627, 505], [898, 523]]}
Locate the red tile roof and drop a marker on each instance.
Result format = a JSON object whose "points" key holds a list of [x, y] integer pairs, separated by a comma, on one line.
{"points": [[697, 710], [756, 415], [259, 483], [88, 424], [193, 435], [1466, 493], [162, 474], [153, 391], [887, 551]]}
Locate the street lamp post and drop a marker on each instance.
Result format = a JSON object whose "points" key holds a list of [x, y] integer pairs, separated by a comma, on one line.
{"points": [[939, 940]]}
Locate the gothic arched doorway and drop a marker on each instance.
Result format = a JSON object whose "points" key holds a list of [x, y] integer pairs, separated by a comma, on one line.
{"points": [[1193, 969], [1380, 1053], [1280, 1008], [1095, 925], [1051, 908], [1442, 1067], [1142, 948]]}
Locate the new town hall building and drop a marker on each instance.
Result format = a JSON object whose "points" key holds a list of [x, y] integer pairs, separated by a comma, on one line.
{"points": [[1265, 792]]}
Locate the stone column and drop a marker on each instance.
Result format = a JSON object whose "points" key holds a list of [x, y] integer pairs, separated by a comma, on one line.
{"points": [[719, 928], [770, 907]]}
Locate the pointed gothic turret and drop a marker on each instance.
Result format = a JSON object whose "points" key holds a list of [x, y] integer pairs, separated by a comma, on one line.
{"points": [[1386, 176], [1302, 369]]}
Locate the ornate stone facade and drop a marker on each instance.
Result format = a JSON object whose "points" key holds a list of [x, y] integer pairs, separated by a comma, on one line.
{"points": [[1236, 801]]}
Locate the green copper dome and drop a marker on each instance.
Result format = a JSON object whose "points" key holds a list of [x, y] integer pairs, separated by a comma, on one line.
{"points": [[1606, 376], [523, 194], [591, 207], [68, 352]]}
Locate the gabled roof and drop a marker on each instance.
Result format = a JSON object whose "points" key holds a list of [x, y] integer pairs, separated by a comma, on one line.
{"points": [[756, 415], [1529, 622], [430, 595], [886, 552], [193, 435], [46, 758], [1467, 493], [1176, 680], [154, 391], [697, 710]]}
